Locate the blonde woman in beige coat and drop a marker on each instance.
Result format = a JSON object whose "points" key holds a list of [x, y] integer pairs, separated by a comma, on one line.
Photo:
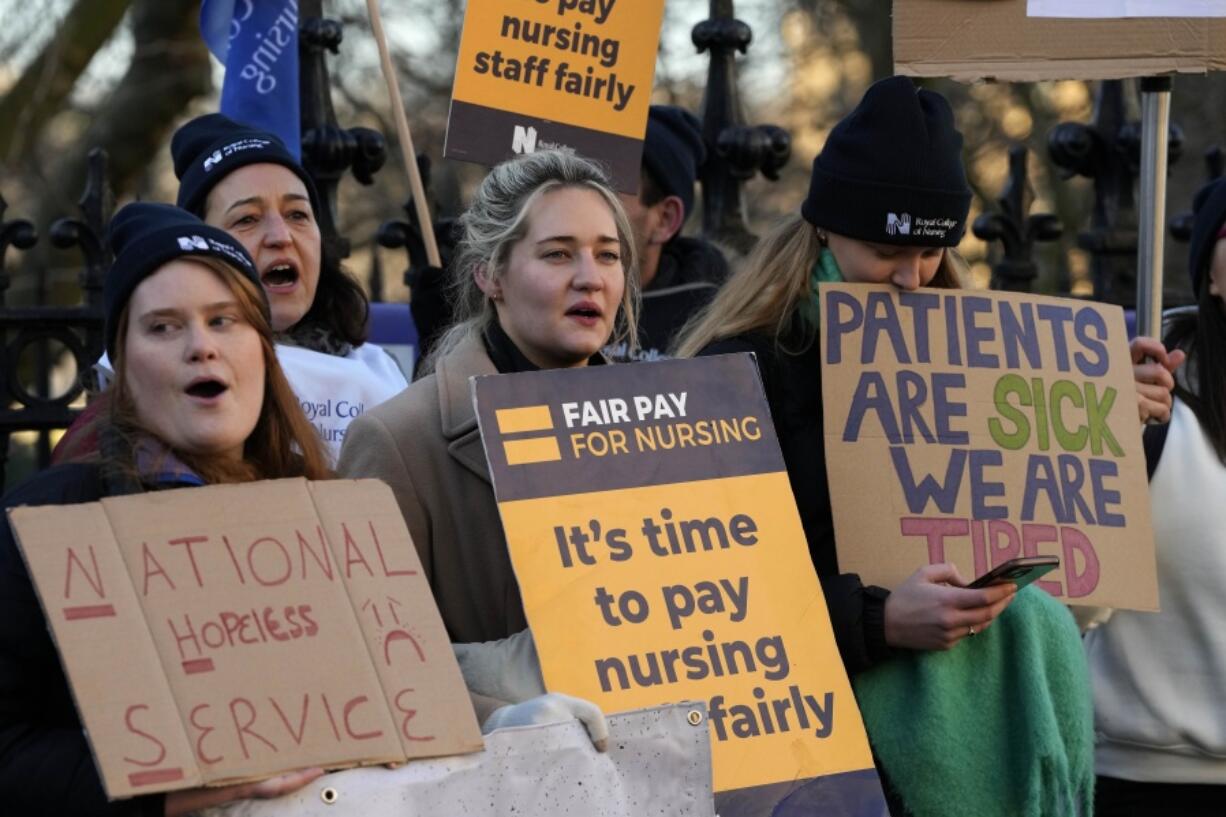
{"points": [[545, 277]]}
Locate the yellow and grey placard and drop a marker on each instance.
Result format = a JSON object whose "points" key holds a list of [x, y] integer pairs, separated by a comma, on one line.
{"points": [[555, 74], [660, 555]]}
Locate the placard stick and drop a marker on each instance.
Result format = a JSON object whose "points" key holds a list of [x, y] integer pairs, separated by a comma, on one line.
{"points": [[407, 153], [1155, 130]]}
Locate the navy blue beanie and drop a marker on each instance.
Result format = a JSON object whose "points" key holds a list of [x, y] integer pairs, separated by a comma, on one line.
{"points": [[1209, 209], [146, 236], [891, 171], [673, 151], [210, 147]]}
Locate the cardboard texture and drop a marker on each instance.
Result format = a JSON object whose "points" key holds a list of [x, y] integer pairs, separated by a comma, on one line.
{"points": [[555, 73], [970, 40], [1126, 8], [661, 557], [260, 628], [975, 427]]}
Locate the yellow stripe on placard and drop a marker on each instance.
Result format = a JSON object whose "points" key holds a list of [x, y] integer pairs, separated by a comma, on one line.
{"points": [[527, 418], [534, 449]]}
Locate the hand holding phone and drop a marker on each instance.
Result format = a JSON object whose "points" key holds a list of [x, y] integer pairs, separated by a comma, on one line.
{"points": [[1021, 571]]}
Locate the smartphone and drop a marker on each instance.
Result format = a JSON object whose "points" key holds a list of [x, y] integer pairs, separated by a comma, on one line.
{"points": [[1021, 571]]}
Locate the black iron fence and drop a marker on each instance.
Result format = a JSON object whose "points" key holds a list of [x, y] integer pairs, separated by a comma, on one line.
{"points": [[43, 345]]}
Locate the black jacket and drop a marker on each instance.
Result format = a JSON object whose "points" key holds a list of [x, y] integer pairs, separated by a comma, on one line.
{"points": [[690, 273], [46, 768], [793, 384]]}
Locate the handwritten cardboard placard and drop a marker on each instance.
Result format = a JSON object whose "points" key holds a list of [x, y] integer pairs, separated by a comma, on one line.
{"points": [[661, 558], [1113, 9], [971, 40], [234, 632], [975, 427], [535, 74]]}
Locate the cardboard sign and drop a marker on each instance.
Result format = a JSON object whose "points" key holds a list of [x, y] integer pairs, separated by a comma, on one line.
{"points": [[1126, 8], [535, 74], [661, 558], [235, 632], [970, 40], [976, 427]]}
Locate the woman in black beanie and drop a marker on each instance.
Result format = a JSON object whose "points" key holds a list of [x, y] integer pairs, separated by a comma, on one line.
{"points": [[198, 398], [888, 203], [246, 182]]}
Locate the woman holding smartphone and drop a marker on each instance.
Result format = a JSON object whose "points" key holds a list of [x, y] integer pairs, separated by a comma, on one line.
{"points": [[892, 162], [897, 153]]}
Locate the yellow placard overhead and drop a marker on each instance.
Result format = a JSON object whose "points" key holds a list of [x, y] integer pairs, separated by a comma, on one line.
{"points": [[977, 427], [555, 73], [661, 558]]}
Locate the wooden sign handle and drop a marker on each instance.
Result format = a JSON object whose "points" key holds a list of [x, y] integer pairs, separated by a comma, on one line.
{"points": [[408, 154]]}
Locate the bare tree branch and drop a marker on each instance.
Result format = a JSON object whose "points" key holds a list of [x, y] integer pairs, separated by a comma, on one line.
{"points": [[49, 79], [169, 69]]}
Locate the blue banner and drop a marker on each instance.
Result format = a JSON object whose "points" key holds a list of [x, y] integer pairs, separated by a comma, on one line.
{"points": [[257, 41]]}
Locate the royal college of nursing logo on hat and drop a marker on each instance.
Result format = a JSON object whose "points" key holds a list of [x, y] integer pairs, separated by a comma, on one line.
{"points": [[194, 243], [187, 243], [226, 151], [905, 224], [898, 224]]}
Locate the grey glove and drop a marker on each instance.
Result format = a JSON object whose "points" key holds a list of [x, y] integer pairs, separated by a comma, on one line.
{"points": [[507, 670], [552, 708]]}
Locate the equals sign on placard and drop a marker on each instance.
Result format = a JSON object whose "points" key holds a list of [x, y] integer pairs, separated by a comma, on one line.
{"points": [[89, 611], [198, 665], [153, 777], [525, 450]]}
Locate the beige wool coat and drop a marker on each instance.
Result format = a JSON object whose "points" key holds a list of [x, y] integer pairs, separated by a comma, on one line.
{"points": [[425, 444]]}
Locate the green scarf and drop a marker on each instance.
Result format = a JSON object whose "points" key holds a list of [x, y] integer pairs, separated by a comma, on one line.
{"points": [[825, 270], [999, 726]]}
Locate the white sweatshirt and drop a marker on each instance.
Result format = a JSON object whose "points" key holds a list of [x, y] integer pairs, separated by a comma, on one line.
{"points": [[333, 390], [1159, 679]]}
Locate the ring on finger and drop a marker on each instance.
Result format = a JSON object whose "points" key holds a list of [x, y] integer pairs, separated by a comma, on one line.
{"points": [[970, 631]]}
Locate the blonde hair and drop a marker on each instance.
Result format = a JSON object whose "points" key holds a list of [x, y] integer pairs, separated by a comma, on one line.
{"points": [[764, 292], [283, 442], [497, 219]]}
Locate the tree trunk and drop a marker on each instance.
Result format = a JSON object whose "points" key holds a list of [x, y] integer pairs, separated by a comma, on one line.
{"points": [[47, 81], [169, 69]]}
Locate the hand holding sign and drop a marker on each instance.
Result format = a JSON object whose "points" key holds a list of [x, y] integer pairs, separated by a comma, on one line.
{"points": [[180, 803], [1153, 370]]}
